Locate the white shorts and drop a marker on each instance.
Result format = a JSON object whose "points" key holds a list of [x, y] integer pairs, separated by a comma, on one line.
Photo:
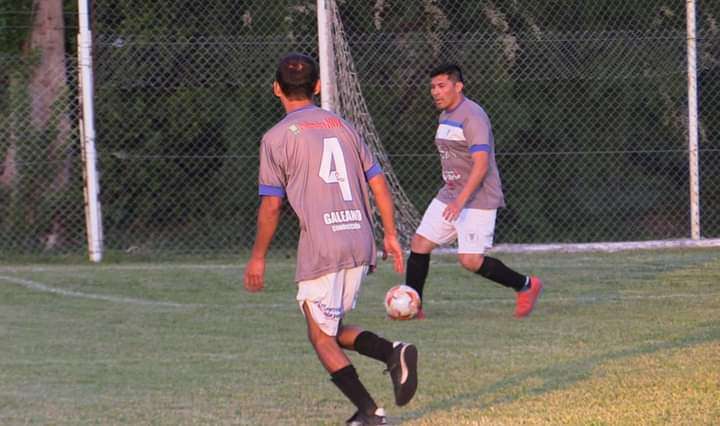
{"points": [[330, 296], [474, 228]]}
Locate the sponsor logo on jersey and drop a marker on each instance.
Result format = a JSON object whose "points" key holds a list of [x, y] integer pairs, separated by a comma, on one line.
{"points": [[450, 130], [328, 123], [342, 216], [294, 129], [445, 152], [343, 220], [451, 175]]}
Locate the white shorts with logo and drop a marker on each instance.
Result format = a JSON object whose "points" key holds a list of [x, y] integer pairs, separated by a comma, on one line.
{"points": [[330, 296], [474, 228]]}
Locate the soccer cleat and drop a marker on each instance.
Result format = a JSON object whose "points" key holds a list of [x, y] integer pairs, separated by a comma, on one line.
{"points": [[402, 367], [362, 419], [526, 299]]}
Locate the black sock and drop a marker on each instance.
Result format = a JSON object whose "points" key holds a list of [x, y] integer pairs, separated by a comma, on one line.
{"points": [[495, 270], [370, 344], [417, 271], [347, 380]]}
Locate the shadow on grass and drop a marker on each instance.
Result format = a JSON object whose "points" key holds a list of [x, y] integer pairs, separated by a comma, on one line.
{"points": [[562, 376]]}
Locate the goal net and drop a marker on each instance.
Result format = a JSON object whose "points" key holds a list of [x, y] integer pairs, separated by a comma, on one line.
{"points": [[351, 104]]}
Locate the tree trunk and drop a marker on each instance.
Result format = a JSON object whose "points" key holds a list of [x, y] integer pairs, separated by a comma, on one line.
{"points": [[48, 84], [9, 164]]}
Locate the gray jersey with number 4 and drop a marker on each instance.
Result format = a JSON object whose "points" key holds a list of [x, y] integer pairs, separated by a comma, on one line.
{"points": [[320, 163]]}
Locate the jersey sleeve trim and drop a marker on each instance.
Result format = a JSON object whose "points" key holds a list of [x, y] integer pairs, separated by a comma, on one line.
{"points": [[479, 148], [271, 190], [373, 171]]}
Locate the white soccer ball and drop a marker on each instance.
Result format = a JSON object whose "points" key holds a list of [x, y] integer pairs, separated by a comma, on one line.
{"points": [[402, 302]]}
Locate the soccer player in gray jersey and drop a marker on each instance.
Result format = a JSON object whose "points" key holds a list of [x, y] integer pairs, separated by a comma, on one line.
{"points": [[466, 206], [320, 163]]}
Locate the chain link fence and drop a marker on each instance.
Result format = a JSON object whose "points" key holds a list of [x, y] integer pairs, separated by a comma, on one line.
{"points": [[589, 108], [183, 98], [588, 105]]}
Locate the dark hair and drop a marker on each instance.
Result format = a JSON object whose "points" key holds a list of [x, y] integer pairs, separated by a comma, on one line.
{"points": [[297, 75], [453, 72]]}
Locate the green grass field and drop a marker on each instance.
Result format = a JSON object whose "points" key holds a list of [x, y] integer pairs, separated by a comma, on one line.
{"points": [[624, 338]]}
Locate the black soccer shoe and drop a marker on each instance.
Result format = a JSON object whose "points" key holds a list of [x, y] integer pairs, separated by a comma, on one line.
{"points": [[362, 419], [402, 367]]}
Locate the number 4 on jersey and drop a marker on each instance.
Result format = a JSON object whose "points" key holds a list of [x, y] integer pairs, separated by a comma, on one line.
{"points": [[332, 153]]}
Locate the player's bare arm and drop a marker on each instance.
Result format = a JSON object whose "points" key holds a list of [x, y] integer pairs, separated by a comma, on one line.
{"points": [[477, 174], [383, 199], [267, 222]]}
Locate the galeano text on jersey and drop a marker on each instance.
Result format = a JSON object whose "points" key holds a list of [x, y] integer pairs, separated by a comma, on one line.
{"points": [[343, 220]]}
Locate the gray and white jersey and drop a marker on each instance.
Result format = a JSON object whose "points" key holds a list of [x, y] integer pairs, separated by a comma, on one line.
{"points": [[460, 133], [322, 165]]}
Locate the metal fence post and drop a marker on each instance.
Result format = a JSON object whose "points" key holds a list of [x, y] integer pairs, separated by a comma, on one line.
{"points": [[693, 123]]}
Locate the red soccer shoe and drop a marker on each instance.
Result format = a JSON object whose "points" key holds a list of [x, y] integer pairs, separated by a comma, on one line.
{"points": [[526, 299]]}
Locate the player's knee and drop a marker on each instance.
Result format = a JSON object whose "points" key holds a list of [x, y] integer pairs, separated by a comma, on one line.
{"points": [[471, 262], [420, 244], [347, 334]]}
